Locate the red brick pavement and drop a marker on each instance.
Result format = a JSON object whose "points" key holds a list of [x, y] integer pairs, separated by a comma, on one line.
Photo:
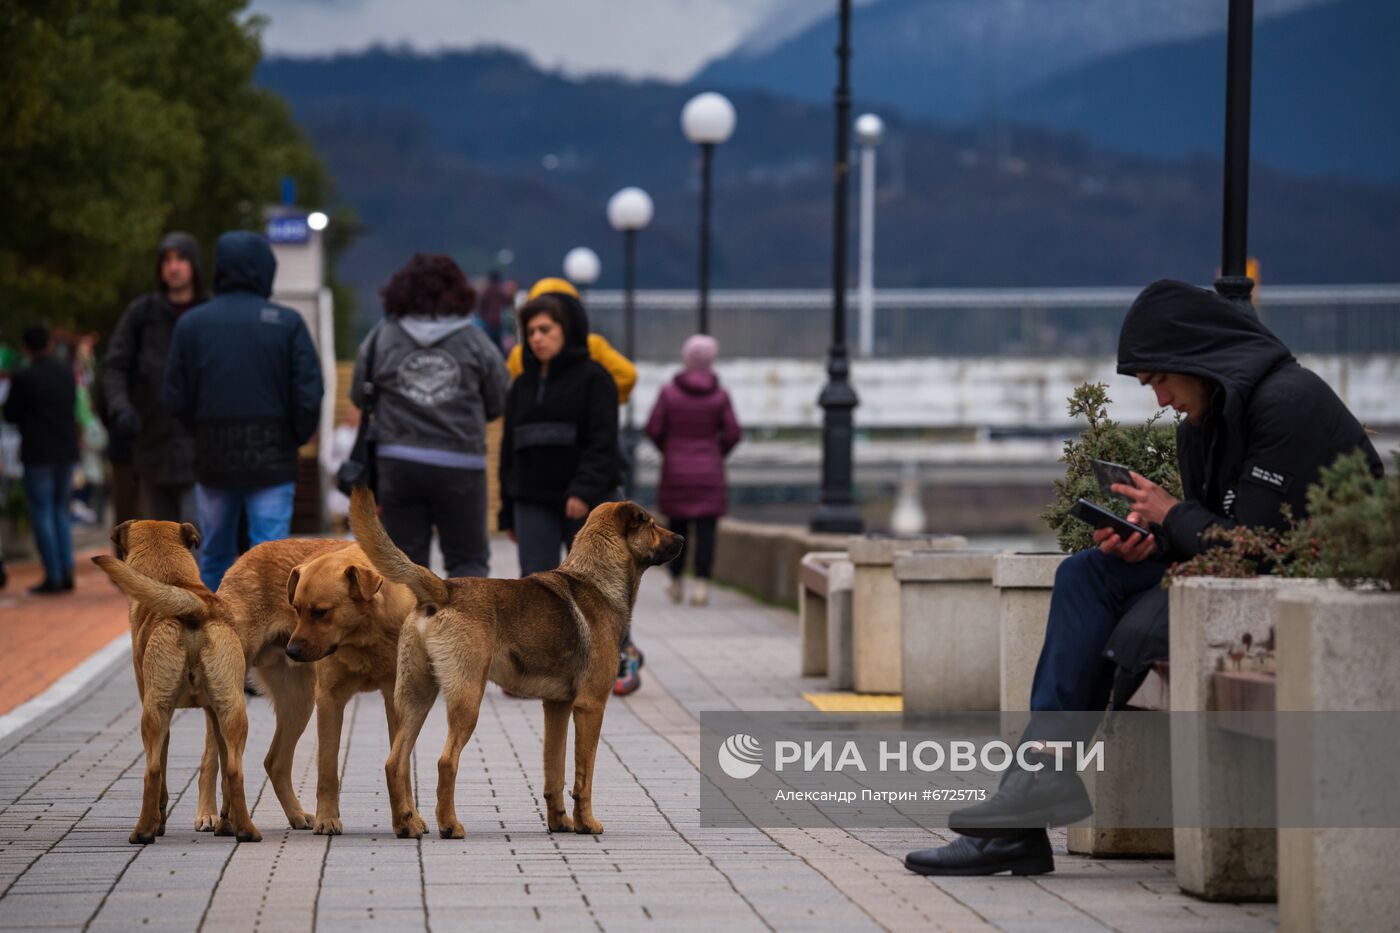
{"points": [[44, 637]]}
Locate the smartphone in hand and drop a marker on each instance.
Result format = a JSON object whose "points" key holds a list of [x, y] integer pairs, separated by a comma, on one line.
{"points": [[1100, 517], [1108, 473]]}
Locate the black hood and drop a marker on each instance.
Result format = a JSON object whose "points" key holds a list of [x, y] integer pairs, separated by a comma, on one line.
{"points": [[243, 262], [186, 245], [575, 336], [1173, 327]]}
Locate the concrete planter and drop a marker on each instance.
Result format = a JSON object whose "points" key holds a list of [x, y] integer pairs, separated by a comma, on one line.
{"points": [[1023, 583], [951, 631], [1338, 650], [1207, 615], [876, 629]]}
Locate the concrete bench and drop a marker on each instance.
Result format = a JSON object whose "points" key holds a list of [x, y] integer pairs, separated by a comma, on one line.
{"points": [[1337, 651], [825, 615], [875, 607], [951, 631]]}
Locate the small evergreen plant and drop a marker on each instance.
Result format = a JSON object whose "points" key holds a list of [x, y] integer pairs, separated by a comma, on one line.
{"points": [[1148, 449]]}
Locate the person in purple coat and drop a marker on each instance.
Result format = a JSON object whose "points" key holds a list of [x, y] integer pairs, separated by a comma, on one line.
{"points": [[694, 427]]}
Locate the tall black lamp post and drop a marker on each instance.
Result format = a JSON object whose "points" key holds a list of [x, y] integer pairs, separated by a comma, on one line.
{"points": [[707, 120], [838, 512], [1234, 282], [629, 210]]}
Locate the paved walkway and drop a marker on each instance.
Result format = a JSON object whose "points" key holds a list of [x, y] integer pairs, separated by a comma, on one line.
{"points": [[70, 787]]}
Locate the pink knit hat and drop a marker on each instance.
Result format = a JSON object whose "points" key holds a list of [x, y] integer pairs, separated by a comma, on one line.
{"points": [[699, 352]]}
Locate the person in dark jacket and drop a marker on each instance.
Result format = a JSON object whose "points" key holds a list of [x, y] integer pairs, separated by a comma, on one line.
{"points": [[559, 454], [244, 377], [1257, 431], [41, 404], [437, 380], [694, 427], [133, 383]]}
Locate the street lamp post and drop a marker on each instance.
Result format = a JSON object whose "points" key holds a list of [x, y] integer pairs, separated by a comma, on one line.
{"points": [[1234, 281], [870, 129], [838, 512], [629, 210], [582, 267], [707, 120]]}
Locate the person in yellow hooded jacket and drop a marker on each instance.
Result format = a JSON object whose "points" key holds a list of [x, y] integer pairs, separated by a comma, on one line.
{"points": [[622, 370]]}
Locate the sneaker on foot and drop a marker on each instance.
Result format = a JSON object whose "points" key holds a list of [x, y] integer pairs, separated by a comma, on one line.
{"points": [[628, 680], [630, 650], [700, 593], [675, 589]]}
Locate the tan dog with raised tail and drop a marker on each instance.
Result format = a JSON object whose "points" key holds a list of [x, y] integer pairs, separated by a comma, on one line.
{"points": [[552, 635], [186, 655]]}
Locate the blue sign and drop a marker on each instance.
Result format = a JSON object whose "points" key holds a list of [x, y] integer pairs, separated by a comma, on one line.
{"points": [[291, 229]]}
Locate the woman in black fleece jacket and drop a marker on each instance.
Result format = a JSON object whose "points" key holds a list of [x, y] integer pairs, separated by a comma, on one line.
{"points": [[559, 454]]}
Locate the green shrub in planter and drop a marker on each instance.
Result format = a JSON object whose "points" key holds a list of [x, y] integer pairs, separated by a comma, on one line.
{"points": [[1351, 534], [1149, 449]]}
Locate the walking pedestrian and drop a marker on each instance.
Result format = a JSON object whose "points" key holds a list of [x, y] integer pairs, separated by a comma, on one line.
{"points": [[42, 403], [559, 447], [694, 427], [245, 379], [437, 379], [622, 370], [133, 384]]}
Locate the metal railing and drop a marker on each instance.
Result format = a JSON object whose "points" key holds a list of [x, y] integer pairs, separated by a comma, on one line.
{"points": [[1004, 322]]}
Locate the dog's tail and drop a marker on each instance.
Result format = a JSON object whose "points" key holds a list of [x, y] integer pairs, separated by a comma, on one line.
{"points": [[427, 586], [164, 599]]}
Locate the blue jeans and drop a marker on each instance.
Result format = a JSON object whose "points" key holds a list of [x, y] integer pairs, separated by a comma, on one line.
{"points": [[269, 519], [48, 489], [1093, 591]]}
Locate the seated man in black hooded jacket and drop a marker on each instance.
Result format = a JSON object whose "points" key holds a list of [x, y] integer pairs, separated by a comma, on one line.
{"points": [[1257, 431]]}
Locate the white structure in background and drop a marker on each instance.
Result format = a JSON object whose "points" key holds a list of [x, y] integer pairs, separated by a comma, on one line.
{"points": [[870, 129], [582, 266], [708, 119], [298, 243], [908, 517], [630, 209]]}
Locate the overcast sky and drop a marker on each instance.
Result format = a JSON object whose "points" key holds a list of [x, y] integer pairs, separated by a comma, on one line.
{"points": [[638, 38]]}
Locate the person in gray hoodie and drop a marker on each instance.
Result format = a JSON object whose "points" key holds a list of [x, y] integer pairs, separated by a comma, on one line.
{"points": [[437, 380]]}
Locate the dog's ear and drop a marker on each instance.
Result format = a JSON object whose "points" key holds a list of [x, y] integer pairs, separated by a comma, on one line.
{"points": [[292, 582], [119, 537], [363, 582], [634, 517], [190, 535]]}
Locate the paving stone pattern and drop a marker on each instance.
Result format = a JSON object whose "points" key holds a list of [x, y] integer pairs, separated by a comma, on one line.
{"points": [[70, 791]]}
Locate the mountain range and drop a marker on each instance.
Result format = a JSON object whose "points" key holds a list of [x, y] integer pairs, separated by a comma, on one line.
{"points": [[472, 152], [1144, 77]]}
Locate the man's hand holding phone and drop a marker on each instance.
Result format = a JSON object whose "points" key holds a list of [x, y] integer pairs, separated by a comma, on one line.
{"points": [[1136, 548], [1150, 502]]}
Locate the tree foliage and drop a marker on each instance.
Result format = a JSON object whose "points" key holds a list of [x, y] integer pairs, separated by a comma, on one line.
{"points": [[119, 120]]}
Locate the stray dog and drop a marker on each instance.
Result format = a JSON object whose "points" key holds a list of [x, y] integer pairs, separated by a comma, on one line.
{"points": [[552, 635], [185, 655], [317, 625]]}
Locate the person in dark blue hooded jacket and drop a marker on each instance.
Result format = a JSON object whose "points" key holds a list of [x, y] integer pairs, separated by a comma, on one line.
{"points": [[1257, 430], [245, 378]]}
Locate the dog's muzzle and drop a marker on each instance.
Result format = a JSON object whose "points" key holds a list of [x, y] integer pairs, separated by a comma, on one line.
{"points": [[669, 551]]}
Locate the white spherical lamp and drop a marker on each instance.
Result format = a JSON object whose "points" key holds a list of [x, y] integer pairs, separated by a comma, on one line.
{"points": [[581, 266], [708, 118], [630, 209], [870, 129]]}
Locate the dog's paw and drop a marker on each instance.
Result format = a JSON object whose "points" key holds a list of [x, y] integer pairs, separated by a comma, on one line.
{"points": [[139, 838], [452, 830], [588, 827], [249, 834], [206, 823], [560, 823], [300, 821], [328, 826], [224, 827]]}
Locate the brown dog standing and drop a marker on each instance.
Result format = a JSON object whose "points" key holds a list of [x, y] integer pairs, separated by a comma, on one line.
{"points": [[185, 655], [552, 635], [317, 625]]}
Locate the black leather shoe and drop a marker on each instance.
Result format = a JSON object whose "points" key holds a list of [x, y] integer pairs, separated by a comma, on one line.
{"points": [[1022, 854], [47, 588], [1026, 800]]}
